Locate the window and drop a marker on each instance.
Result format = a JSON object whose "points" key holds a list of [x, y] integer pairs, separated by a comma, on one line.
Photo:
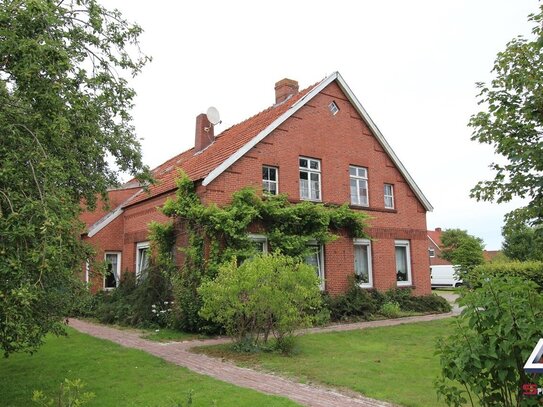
{"points": [[403, 262], [316, 259], [359, 185], [142, 259], [112, 278], [333, 108], [362, 262], [270, 183], [87, 272], [431, 252], [310, 179], [260, 243], [389, 196]]}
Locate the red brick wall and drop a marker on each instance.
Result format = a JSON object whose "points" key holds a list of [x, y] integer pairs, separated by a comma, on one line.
{"points": [[109, 239], [339, 141]]}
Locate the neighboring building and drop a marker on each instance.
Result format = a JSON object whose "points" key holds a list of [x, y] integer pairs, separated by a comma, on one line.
{"points": [[492, 255], [434, 248], [315, 145]]}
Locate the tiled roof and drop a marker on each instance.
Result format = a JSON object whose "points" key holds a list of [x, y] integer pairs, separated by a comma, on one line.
{"points": [[199, 165], [435, 235]]}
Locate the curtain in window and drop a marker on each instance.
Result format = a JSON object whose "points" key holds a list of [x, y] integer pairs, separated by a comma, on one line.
{"points": [[143, 260], [361, 263], [401, 263], [313, 260], [112, 274]]}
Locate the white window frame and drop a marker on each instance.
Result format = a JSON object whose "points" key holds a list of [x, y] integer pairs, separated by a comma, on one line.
{"points": [[391, 195], [309, 172], [260, 239], [431, 252], [118, 279], [87, 272], [276, 182], [407, 245], [140, 246], [359, 179], [320, 262], [364, 242], [333, 107]]}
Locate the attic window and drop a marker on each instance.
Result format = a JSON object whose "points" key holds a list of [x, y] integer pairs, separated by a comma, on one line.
{"points": [[333, 108]]}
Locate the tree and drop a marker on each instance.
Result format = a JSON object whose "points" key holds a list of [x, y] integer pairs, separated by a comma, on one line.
{"points": [[512, 123], [499, 325], [462, 249], [522, 242], [65, 135]]}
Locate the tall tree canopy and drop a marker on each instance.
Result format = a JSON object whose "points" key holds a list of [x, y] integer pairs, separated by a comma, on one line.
{"points": [[65, 134], [522, 242], [462, 249], [513, 124]]}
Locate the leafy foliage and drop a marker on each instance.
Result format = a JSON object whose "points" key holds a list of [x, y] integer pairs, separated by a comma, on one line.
{"points": [[64, 115], [522, 242], [512, 124], [268, 295], [527, 270], [462, 250], [288, 227], [496, 332], [361, 303], [70, 395]]}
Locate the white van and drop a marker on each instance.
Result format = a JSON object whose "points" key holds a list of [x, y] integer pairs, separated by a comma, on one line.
{"points": [[444, 276]]}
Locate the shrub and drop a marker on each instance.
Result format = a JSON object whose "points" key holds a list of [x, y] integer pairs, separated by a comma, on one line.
{"points": [[355, 303], [528, 270], [268, 295], [133, 303], [390, 309], [495, 334], [70, 394], [417, 303]]}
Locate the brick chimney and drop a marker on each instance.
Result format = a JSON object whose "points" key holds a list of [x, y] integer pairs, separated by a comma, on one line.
{"points": [[204, 133], [438, 230], [285, 88]]}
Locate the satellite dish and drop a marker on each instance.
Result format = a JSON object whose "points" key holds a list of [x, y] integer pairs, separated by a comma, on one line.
{"points": [[213, 115]]}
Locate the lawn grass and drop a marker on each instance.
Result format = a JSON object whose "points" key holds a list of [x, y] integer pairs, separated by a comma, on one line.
{"points": [[395, 363], [118, 376], [170, 335]]}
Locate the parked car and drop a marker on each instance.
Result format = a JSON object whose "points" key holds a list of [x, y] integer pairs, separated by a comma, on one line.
{"points": [[444, 276]]}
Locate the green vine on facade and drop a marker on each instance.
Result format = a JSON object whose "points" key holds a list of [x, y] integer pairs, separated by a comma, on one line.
{"points": [[288, 227], [218, 234]]}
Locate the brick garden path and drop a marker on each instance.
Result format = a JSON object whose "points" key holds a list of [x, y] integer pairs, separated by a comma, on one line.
{"points": [[306, 395]]}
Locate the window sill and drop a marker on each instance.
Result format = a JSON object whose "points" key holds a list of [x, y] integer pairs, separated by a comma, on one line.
{"points": [[372, 209]]}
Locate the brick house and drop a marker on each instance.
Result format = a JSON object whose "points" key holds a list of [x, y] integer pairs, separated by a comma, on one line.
{"points": [[318, 144], [434, 248]]}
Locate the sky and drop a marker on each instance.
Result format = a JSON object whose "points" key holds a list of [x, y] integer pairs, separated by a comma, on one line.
{"points": [[412, 64]]}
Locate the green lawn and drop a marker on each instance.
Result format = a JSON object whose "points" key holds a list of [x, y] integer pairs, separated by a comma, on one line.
{"points": [[170, 335], [118, 376], [396, 363]]}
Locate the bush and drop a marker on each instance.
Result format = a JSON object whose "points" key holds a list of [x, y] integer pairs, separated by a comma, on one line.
{"points": [[268, 295], [134, 303], [390, 309], [362, 303], [527, 270], [355, 303], [495, 334], [417, 303]]}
